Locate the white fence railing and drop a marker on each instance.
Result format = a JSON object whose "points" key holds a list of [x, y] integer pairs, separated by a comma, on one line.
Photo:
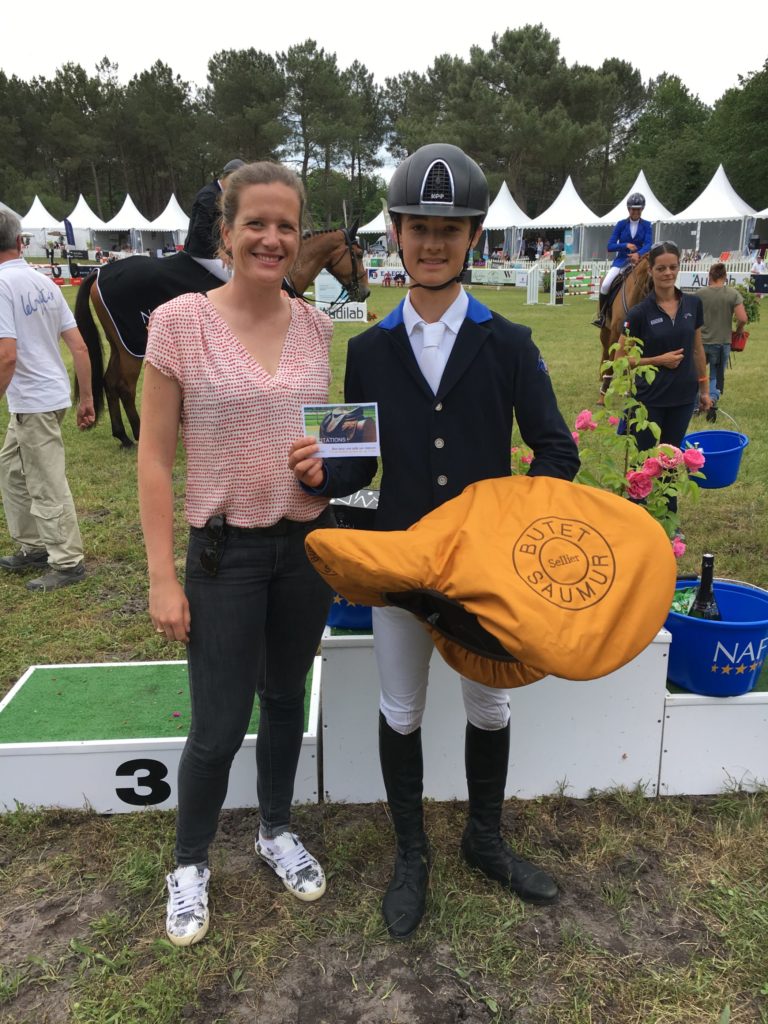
{"points": [[581, 278], [734, 266]]}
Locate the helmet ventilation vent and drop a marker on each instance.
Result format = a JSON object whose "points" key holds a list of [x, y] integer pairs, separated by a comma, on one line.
{"points": [[438, 184]]}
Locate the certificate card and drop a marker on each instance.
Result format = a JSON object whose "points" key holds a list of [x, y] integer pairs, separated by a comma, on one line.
{"points": [[343, 430]]}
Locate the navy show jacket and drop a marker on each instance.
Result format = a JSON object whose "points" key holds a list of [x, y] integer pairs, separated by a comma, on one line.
{"points": [[433, 446], [203, 235]]}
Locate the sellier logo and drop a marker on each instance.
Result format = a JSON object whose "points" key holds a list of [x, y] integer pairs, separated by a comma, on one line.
{"points": [[566, 561]]}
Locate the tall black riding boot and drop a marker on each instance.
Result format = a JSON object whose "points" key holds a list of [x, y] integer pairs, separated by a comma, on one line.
{"points": [[487, 756], [599, 320], [403, 770]]}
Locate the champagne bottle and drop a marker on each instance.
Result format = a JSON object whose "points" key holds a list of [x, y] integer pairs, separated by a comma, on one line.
{"points": [[704, 604]]}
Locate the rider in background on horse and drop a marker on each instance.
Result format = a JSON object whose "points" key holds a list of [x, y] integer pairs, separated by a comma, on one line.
{"points": [[631, 239], [202, 241]]}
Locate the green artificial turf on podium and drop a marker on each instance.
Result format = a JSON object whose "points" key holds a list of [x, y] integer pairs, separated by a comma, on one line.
{"points": [[105, 702]]}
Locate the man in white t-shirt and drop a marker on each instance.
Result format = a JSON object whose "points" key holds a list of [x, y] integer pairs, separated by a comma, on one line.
{"points": [[39, 510]]}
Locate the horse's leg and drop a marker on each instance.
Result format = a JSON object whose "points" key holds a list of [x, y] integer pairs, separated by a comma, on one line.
{"points": [[112, 388], [92, 338], [112, 375], [606, 340], [130, 368]]}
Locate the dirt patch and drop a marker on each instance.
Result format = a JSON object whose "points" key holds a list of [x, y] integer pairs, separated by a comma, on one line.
{"points": [[386, 985], [481, 956], [133, 606]]}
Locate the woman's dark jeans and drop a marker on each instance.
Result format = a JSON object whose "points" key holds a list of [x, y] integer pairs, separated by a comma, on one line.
{"points": [[255, 628]]}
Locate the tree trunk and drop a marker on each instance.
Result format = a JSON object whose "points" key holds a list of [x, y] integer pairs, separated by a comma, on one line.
{"points": [[96, 190]]}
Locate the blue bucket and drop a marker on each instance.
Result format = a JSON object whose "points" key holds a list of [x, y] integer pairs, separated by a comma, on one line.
{"points": [[723, 450], [720, 659]]}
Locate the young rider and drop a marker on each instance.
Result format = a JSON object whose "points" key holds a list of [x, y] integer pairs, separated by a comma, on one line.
{"points": [[449, 376], [631, 239]]}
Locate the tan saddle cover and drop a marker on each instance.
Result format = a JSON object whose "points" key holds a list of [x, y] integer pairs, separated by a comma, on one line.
{"points": [[517, 578]]}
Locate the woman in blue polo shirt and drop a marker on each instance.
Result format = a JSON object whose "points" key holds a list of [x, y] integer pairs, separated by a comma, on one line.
{"points": [[668, 322]]}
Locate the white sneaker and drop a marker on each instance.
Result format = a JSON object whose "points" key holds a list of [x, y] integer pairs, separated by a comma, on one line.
{"points": [[187, 911], [300, 872]]}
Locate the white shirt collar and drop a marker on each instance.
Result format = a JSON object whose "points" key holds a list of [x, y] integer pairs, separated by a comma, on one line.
{"points": [[452, 318]]}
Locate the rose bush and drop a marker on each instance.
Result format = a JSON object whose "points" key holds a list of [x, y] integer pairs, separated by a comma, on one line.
{"points": [[610, 458]]}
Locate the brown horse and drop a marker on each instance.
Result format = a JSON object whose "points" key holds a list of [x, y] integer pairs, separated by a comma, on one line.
{"points": [[337, 251], [634, 287]]}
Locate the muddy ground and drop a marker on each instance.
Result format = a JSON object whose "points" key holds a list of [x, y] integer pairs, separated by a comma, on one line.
{"points": [[620, 905]]}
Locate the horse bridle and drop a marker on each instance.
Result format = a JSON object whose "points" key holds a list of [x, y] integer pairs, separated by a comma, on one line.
{"points": [[350, 292], [352, 288]]}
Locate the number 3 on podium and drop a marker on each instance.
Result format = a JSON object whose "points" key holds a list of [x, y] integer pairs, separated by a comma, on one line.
{"points": [[152, 780]]}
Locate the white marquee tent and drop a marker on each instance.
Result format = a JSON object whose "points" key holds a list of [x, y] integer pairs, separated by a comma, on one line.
{"points": [[83, 218], [595, 236], [172, 218], [762, 215], [38, 219], [568, 211], [128, 222], [128, 218], [171, 222], [376, 227], [84, 222], [717, 221], [37, 225], [654, 209], [505, 215], [504, 212]]}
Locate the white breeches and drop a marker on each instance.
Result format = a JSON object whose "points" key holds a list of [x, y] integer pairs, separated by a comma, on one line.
{"points": [[613, 273], [403, 650]]}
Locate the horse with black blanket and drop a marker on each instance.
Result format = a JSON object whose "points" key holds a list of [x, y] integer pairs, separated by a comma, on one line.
{"points": [[123, 295]]}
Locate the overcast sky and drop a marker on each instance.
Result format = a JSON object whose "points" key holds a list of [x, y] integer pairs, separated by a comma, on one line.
{"points": [[706, 52]]}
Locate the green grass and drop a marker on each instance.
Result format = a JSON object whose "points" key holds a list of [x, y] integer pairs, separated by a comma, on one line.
{"points": [[665, 903], [106, 702]]}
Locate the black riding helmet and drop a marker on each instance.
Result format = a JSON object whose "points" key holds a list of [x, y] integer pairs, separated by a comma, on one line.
{"points": [[636, 201], [438, 180]]}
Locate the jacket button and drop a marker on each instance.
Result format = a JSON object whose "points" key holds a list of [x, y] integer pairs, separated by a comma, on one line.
{"points": [[439, 442], [442, 480], [439, 407]]}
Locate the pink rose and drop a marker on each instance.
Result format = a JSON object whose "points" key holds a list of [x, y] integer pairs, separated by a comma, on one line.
{"points": [[526, 459], [575, 435], [515, 449], [694, 459], [652, 467], [669, 456], [614, 421], [640, 485], [678, 547], [584, 421]]}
